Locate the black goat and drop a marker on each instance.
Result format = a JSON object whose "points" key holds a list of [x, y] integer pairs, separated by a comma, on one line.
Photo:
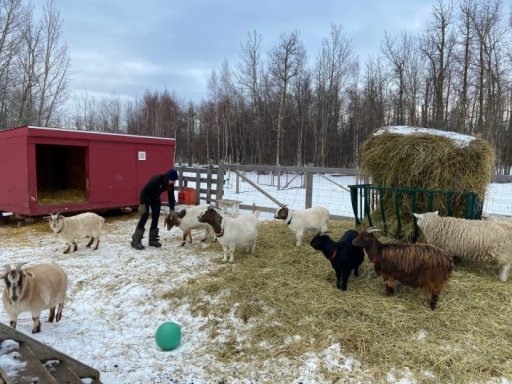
{"points": [[344, 256]]}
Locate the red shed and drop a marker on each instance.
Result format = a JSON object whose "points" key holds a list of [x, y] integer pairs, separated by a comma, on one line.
{"points": [[45, 170]]}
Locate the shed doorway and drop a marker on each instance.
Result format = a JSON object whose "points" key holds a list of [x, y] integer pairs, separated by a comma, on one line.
{"points": [[61, 173]]}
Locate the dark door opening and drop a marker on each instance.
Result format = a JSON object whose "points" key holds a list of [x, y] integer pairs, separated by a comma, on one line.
{"points": [[61, 174]]}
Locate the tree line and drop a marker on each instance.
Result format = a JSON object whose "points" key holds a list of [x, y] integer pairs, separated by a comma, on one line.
{"points": [[281, 106]]}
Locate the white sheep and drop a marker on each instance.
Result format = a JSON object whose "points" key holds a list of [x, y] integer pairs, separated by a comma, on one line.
{"points": [[81, 226], [314, 219], [232, 232], [33, 290], [485, 241], [186, 220]]}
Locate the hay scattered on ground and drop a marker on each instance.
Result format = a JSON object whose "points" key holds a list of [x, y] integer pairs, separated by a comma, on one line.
{"points": [[287, 297]]}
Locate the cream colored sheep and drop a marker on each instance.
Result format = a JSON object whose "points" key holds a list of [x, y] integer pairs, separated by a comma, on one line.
{"points": [[484, 241]]}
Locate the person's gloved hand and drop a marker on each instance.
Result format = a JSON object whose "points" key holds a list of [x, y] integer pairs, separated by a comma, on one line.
{"points": [[142, 209]]}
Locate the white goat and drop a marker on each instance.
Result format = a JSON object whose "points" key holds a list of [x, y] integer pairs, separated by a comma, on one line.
{"points": [[314, 219], [232, 232], [485, 241], [186, 220], [84, 225], [34, 289]]}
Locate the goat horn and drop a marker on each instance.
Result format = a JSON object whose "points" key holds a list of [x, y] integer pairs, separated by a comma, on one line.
{"points": [[19, 265], [8, 267], [372, 230]]}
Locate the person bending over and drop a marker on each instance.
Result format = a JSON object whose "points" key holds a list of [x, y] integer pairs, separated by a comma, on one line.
{"points": [[150, 202]]}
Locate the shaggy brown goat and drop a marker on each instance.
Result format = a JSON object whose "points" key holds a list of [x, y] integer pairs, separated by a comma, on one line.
{"points": [[416, 265]]}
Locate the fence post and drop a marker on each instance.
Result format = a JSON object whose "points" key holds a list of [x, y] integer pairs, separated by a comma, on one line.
{"points": [[208, 186], [220, 182], [353, 200], [308, 176], [237, 189], [198, 185]]}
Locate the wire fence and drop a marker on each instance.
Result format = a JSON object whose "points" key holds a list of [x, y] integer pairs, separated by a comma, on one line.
{"points": [[327, 187]]}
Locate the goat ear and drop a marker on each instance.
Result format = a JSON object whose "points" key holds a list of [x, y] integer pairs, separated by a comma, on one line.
{"points": [[436, 213], [416, 215]]}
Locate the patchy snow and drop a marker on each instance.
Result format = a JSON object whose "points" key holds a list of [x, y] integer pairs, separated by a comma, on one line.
{"points": [[9, 358], [458, 138], [116, 303]]}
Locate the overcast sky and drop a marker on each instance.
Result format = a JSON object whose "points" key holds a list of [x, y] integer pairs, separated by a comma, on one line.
{"points": [[126, 47]]}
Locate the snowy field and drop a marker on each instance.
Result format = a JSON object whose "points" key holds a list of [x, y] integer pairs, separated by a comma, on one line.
{"points": [[117, 299], [498, 199]]}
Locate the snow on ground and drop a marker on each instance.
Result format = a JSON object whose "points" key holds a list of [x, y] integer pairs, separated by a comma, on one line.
{"points": [[115, 305]]}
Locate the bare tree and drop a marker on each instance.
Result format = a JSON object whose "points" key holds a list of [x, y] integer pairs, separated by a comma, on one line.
{"points": [[438, 42], [13, 17], [53, 66], [335, 65], [397, 57], [486, 18], [248, 77], [286, 61]]}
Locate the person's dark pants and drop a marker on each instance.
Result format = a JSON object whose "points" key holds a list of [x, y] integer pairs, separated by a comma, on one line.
{"points": [[155, 206]]}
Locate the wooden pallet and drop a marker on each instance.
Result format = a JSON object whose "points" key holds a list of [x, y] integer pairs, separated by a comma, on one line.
{"points": [[45, 365]]}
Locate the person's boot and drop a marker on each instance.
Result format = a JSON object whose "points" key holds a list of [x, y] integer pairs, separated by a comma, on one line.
{"points": [[137, 239], [153, 238]]}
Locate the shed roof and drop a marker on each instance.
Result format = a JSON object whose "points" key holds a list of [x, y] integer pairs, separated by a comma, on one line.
{"points": [[29, 130]]}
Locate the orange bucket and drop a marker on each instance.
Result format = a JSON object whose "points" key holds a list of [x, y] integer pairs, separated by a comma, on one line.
{"points": [[187, 196]]}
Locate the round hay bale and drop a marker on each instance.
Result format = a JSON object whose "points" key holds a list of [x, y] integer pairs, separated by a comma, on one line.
{"points": [[424, 158]]}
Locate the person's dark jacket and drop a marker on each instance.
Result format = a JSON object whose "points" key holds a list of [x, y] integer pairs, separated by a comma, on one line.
{"points": [[155, 187]]}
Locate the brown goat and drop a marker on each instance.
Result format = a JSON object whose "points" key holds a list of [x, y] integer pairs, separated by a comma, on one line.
{"points": [[416, 265]]}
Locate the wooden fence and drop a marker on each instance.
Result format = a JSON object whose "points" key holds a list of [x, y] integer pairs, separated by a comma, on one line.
{"points": [[208, 182]]}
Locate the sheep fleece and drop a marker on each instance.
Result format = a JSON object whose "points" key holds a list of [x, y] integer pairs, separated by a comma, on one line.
{"points": [[470, 239]]}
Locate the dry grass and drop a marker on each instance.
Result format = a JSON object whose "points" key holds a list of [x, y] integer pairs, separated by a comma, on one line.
{"points": [[287, 295], [426, 161], [62, 196]]}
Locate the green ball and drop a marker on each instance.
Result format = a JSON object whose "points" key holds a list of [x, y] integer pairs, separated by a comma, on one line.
{"points": [[168, 335]]}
